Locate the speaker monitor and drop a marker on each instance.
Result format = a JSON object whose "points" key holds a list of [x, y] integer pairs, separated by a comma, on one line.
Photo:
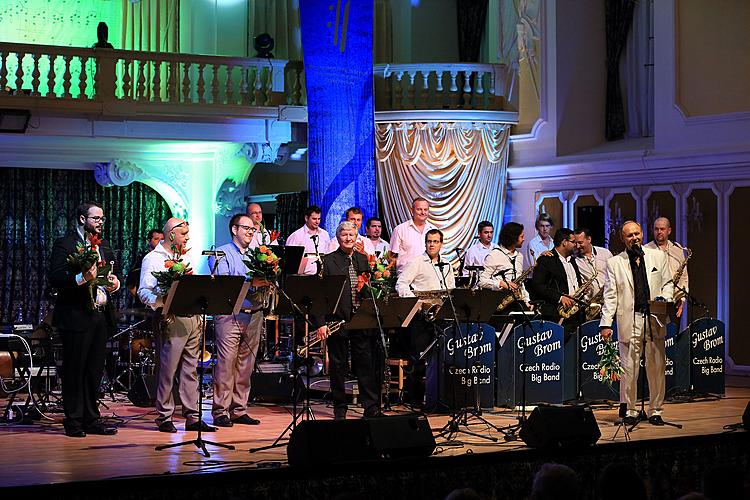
{"points": [[324, 442], [746, 418], [276, 387], [143, 391], [560, 427]]}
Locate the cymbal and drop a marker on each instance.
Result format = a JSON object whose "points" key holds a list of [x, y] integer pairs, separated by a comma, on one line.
{"points": [[138, 313]]}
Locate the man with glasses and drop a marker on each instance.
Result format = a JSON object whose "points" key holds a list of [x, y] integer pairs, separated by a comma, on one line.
{"points": [[84, 324], [178, 337], [237, 335]]}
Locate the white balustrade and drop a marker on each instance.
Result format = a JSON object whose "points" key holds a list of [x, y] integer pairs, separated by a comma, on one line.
{"points": [[423, 86]]}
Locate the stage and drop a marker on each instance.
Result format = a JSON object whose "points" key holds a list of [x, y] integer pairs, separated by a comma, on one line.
{"points": [[39, 459]]}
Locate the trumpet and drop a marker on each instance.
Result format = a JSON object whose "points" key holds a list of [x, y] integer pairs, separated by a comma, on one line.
{"points": [[313, 340]]}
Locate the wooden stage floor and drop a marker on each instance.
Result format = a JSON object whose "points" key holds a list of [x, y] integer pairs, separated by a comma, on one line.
{"points": [[42, 454]]}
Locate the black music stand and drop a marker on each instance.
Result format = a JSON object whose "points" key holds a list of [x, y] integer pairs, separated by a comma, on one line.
{"points": [[202, 295], [305, 295], [394, 312], [469, 307]]}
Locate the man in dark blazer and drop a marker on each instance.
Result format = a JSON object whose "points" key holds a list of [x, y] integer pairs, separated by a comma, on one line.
{"points": [[344, 261], [83, 327]]}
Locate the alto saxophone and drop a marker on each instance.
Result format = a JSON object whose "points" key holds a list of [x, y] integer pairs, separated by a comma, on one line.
{"points": [[517, 294], [594, 307], [680, 271], [567, 312]]}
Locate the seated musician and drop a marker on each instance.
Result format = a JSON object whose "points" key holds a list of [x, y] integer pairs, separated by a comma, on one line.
{"points": [[428, 272], [344, 261], [503, 266]]}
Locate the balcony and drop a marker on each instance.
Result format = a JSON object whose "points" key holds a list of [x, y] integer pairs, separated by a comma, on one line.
{"points": [[469, 92], [149, 85]]}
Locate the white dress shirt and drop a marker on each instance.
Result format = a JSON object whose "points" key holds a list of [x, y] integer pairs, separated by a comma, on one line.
{"points": [[381, 247], [502, 265], [301, 238], [598, 260], [422, 275], [408, 242], [368, 246], [570, 273], [476, 254], [537, 246], [675, 255], [259, 237], [154, 261]]}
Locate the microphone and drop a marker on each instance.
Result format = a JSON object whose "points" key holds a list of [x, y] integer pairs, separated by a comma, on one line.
{"points": [[638, 250], [501, 272], [442, 264], [214, 253], [314, 237]]}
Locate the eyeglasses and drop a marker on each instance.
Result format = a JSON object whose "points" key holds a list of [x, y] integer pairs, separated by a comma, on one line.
{"points": [[246, 228], [98, 218]]}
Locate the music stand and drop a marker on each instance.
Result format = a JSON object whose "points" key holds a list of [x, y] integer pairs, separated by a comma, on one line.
{"points": [[469, 306], [395, 312], [202, 295], [306, 295]]}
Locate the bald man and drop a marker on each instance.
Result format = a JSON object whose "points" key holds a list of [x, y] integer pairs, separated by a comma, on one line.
{"points": [[178, 337], [635, 277], [262, 236], [675, 254]]}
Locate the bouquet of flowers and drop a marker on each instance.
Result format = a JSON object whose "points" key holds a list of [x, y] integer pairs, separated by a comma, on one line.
{"points": [[609, 363], [86, 255], [380, 280], [174, 269], [262, 262]]}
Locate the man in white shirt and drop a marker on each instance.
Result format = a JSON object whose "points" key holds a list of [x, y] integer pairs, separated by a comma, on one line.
{"points": [[590, 258], [373, 229], [504, 263], [363, 244], [407, 240], [262, 236], [542, 242], [423, 273], [477, 252], [178, 336], [314, 238], [675, 254]]}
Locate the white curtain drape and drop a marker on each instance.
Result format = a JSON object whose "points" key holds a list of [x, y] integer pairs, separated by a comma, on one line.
{"points": [[461, 169]]}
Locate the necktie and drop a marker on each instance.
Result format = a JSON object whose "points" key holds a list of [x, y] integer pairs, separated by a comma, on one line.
{"points": [[353, 284], [513, 264]]}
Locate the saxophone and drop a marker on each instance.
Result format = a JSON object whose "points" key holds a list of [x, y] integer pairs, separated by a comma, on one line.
{"points": [[516, 294], [567, 312], [680, 271], [594, 308], [430, 302]]}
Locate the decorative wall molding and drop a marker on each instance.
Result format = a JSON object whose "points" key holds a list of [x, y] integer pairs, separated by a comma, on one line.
{"points": [[117, 173], [268, 152]]}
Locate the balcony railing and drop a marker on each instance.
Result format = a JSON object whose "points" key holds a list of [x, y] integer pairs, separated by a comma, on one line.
{"points": [[105, 79], [465, 86]]}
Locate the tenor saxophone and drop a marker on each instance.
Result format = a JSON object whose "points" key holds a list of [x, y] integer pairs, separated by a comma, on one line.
{"points": [[567, 312], [678, 274]]}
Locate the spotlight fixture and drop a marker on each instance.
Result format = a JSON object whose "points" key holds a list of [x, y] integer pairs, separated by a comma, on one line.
{"points": [[263, 45], [14, 121]]}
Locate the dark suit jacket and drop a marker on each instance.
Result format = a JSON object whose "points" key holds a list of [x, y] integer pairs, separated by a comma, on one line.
{"points": [[549, 282], [71, 310], [337, 264]]}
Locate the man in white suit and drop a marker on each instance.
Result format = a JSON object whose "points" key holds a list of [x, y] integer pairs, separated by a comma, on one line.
{"points": [[635, 277]]}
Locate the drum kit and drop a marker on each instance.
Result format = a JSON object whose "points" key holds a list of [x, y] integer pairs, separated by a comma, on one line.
{"points": [[133, 348]]}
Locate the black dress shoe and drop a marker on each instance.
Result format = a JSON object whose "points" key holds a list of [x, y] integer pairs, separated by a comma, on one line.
{"points": [[167, 426], [223, 421], [100, 429], [628, 421], [204, 427], [246, 420], [76, 432], [655, 420]]}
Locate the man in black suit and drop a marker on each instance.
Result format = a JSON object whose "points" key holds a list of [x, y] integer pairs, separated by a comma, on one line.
{"points": [[84, 327], [556, 278], [344, 261]]}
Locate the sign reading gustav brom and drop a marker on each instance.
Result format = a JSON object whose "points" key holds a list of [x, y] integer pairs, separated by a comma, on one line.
{"points": [[707, 363], [467, 367], [537, 355]]}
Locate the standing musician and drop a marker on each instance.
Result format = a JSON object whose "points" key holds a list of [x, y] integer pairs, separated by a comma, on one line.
{"points": [[542, 242], [407, 240], [262, 236], [310, 235], [363, 244], [178, 337], [134, 275], [84, 328], [478, 251], [237, 335], [344, 261], [634, 277], [590, 259], [675, 255], [373, 229], [505, 262], [428, 272], [556, 277]]}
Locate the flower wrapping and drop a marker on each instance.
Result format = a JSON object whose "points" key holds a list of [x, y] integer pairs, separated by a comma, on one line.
{"points": [[261, 261], [86, 255], [609, 366], [174, 268], [380, 280]]}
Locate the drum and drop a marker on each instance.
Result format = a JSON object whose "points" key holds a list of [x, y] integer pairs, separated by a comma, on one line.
{"points": [[140, 342]]}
